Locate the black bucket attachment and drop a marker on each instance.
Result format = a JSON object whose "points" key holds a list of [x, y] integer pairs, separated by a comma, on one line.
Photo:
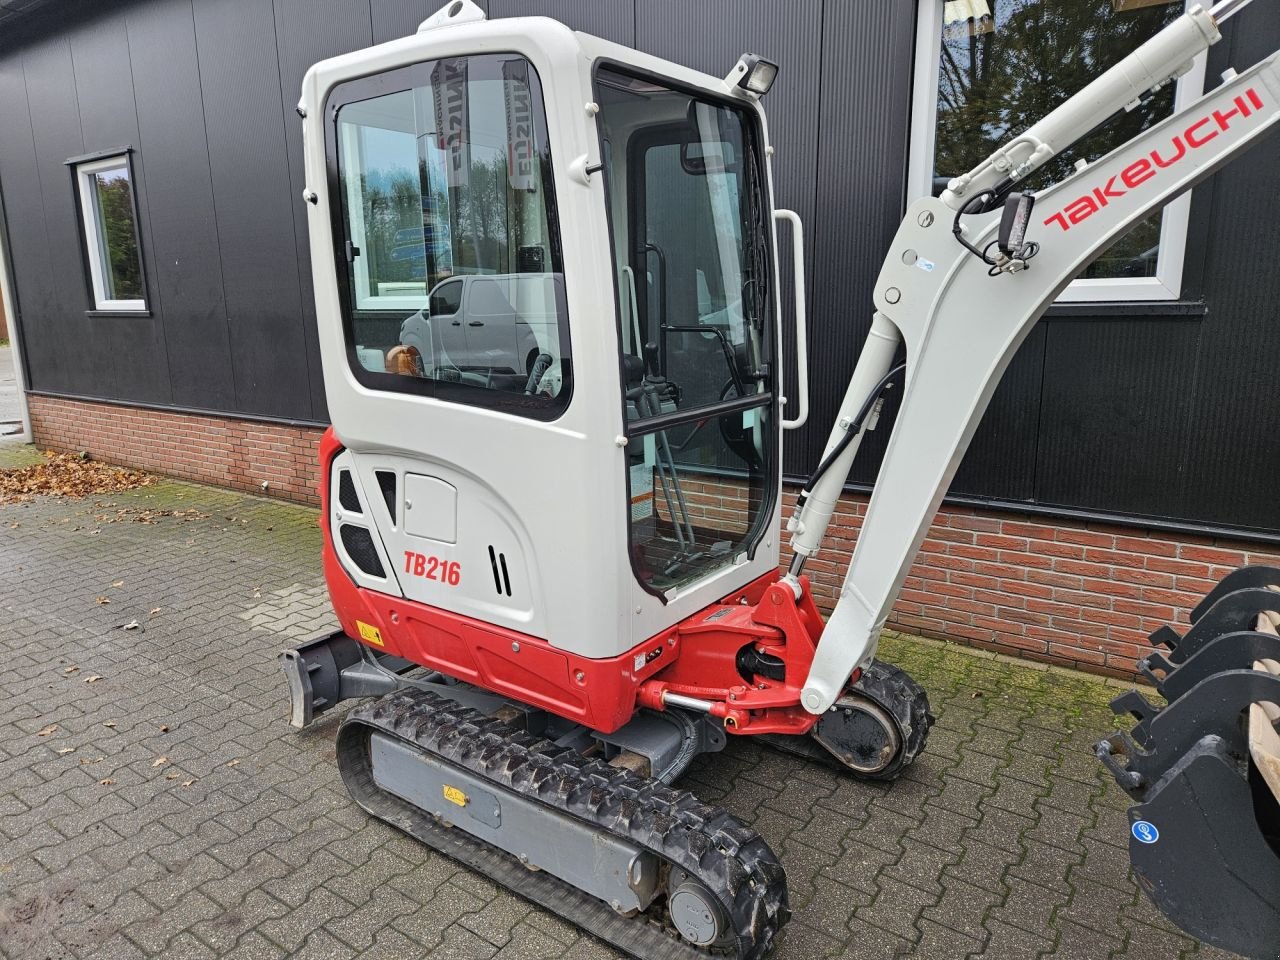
{"points": [[1204, 768]]}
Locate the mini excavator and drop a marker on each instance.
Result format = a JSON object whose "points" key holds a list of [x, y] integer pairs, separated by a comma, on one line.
{"points": [[549, 298]]}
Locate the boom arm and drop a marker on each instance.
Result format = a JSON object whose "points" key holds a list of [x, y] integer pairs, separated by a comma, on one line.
{"points": [[962, 325]]}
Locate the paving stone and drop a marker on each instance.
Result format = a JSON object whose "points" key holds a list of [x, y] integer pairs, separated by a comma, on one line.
{"points": [[942, 943], [896, 908], [295, 927], [254, 946], [1080, 943], [1007, 941], [963, 908], [1030, 907], [529, 943]]}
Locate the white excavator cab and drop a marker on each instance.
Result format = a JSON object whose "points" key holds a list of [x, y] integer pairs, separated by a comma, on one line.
{"points": [[547, 298]]}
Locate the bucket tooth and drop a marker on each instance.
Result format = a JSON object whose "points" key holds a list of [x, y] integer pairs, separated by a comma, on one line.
{"points": [[1140, 708], [1166, 637], [1155, 667], [1231, 651], [1135, 705], [1115, 752], [1242, 579], [1213, 706], [1230, 613]]}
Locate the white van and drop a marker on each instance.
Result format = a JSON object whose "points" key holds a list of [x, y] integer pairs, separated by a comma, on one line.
{"points": [[489, 324]]}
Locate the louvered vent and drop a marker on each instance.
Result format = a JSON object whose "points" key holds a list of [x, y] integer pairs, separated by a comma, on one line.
{"points": [[501, 579], [387, 481], [347, 493], [360, 548]]}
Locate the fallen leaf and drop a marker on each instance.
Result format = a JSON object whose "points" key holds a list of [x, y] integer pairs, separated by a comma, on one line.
{"points": [[171, 776], [154, 611], [976, 695], [106, 782], [92, 678], [187, 783], [131, 625], [47, 730], [86, 761], [159, 761], [102, 601], [233, 763], [70, 669], [164, 729], [109, 724], [118, 583]]}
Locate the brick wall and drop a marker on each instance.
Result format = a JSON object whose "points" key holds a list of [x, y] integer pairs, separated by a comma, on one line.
{"points": [[1082, 594], [240, 454]]}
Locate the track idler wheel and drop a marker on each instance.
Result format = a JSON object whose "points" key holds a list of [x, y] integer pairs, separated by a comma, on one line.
{"points": [[879, 726], [874, 731]]}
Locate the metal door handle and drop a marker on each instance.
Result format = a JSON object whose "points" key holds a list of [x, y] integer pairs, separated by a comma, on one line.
{"points": [[457, 323], [475, 323], [802, 339]]}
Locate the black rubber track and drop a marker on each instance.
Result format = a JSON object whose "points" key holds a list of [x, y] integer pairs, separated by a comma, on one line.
{"points": [[728, 858], [893, 689]]}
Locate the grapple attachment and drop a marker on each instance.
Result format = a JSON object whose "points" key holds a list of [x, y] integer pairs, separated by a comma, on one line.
{"points": [[1205, 768]]}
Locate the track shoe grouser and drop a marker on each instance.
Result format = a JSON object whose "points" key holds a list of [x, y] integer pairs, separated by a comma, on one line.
{"points": [[1204, 834]]}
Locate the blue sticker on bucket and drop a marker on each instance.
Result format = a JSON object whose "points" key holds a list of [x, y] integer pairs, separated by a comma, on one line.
{"points": [[1144, 831]]}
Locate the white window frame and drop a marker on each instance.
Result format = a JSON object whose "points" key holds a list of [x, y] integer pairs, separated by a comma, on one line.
{"points": [[366, 298], [86, 186], [1165, 285]]}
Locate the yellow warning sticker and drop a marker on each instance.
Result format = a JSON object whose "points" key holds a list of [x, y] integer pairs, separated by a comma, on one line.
{"points": [[369, 633], [454, 795]]}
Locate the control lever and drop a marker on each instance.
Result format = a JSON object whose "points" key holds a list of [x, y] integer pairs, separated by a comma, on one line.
{"points": [[651, 359]]}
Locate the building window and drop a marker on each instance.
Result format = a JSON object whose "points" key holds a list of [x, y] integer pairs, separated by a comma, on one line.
{"points": [[988, 69], [109, 214]]}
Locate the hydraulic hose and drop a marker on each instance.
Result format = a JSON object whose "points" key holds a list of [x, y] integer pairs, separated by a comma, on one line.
{"points": [[854, 428]]}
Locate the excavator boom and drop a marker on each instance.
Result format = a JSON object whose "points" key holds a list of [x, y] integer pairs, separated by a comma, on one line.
{"points": [[934, 296]]}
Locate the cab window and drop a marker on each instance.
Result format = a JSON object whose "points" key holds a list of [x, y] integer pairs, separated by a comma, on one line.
{"points": [[447, 237]]}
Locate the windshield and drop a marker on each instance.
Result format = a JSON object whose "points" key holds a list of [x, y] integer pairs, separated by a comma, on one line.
{"points": [[691, 239]]}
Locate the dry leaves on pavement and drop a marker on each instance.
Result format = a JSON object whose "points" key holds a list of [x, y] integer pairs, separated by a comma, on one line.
{"points": [[63, 475]]}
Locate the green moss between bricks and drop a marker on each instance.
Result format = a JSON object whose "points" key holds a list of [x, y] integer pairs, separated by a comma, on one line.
{"points": [[1001, 684]]}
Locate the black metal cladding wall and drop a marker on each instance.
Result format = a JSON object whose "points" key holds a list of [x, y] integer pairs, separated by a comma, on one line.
{"points": [[1162, 412]]}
